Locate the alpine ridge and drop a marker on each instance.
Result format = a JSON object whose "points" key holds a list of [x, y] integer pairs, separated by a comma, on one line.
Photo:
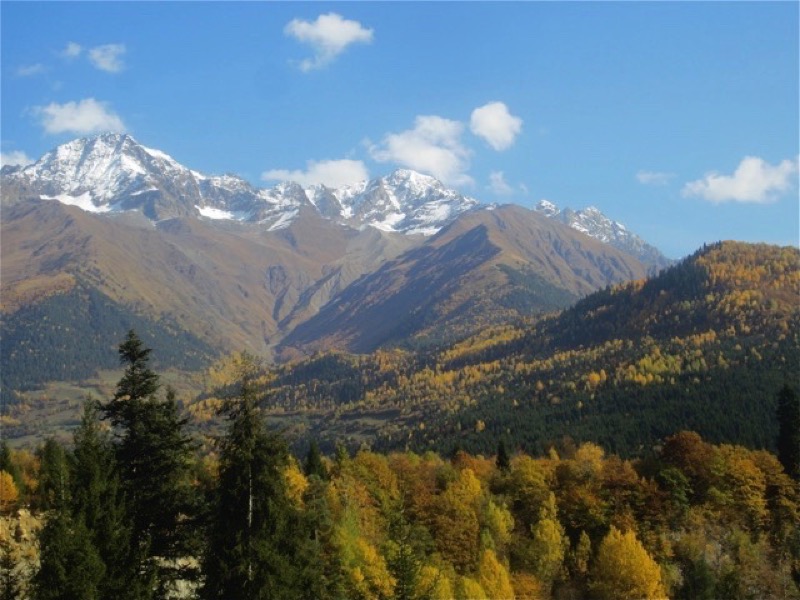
{"points": [[113, 173], [595, 224]]}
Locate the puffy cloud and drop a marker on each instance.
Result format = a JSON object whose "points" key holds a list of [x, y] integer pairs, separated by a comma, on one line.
{"points": [[72, 50], [108, 57], [433, 146], [754, 181], [498, 127], [499, 185], [654, 177], [332, 173], [29, 70], [15, 158], [328, 36], [83, 117]]}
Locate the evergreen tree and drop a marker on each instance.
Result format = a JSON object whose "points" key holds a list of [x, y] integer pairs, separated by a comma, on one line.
{"points": [[97, 501], [53, 476], [153, 456], [789, 431], [70, 566], [314, 464], [503, 460], [255, 535]]}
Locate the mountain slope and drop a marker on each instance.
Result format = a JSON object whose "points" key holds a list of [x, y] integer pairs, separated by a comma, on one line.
{"points": [[486, 267], [233, 287], [705, 345]]}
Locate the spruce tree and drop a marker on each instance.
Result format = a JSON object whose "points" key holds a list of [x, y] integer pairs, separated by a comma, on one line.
{"points": [[153, 456], [255, 534], [789, 431]]}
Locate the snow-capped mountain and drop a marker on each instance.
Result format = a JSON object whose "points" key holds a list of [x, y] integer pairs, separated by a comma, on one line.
{"points": [[595, 224], [112, 173]]}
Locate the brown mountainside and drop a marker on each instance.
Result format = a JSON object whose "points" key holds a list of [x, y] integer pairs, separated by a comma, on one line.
{"points": [[235, 286], [486, 267]]}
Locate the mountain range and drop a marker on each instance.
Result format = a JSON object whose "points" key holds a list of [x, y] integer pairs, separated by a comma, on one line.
{"points": [[105, 226]]}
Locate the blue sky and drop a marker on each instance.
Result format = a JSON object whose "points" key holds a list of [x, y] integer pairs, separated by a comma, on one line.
{"points": [[678, 119]]}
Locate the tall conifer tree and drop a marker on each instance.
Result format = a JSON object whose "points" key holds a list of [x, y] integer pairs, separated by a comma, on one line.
{"points": [[153, 456], [255, 538]]}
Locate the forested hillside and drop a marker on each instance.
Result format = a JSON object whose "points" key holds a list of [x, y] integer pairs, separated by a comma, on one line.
{"points": [[705, 345], [146, 510]]}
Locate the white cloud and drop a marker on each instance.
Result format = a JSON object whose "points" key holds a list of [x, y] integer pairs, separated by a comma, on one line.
{"points": [[433, 146], [83, 117], [499, 185], [15, 158], [498, 127], [108, 57], [332, 173], [29, 70], [654, 177], [328, 36], [72, 50], [753, 181]]}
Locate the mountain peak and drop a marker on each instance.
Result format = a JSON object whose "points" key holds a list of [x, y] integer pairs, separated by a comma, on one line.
{"points": [[592, 222], [112, 172], [547, 208]]}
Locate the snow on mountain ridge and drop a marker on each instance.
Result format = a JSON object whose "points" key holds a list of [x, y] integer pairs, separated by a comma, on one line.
{"points": [[594, 223], [112, 172]]}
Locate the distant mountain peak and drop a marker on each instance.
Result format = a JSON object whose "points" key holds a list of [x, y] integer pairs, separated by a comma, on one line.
{"points": [[546, 208], [592, 222]]}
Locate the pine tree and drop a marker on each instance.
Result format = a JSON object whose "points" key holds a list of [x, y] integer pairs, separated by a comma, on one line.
{"points": [[153, 454], [789, 431], [255, 534]]}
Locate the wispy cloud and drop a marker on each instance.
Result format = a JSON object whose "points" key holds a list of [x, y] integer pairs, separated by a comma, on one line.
{"points": [[433, 146], [332, 173], [496, 125], [108, 57], [654, 177], [72, 50], [15, 158], [328, 37], [82, 117], [754, 181], [30, 70], [498, 184]]}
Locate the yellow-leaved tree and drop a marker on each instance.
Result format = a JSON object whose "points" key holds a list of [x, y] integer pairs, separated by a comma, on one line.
{"points": [[8, 492], [624, 570], [494, 577]]}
